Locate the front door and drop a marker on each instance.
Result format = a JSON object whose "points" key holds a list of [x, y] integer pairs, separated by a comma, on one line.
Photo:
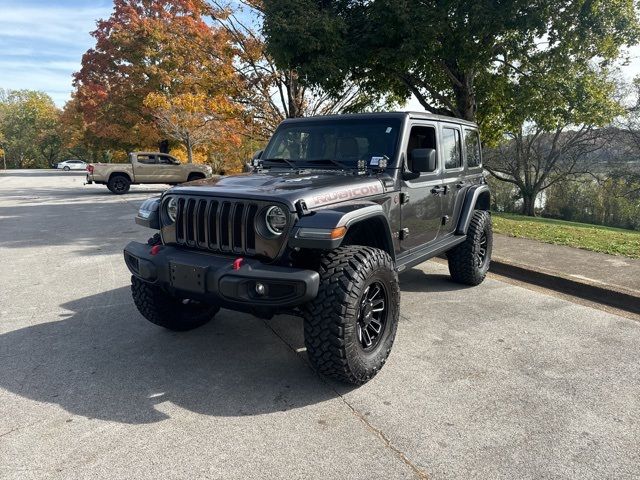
{"points": [[421, 207], [169, 170]]}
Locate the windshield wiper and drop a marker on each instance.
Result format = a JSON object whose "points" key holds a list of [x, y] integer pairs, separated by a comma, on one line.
{"points": [[331, 160], [281, 160]]}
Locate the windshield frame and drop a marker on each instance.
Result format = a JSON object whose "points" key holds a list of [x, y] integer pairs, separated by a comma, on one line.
{"points": [[393, 161]]}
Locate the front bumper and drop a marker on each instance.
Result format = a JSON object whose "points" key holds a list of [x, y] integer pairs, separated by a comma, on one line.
{"points": [[213, 278]]}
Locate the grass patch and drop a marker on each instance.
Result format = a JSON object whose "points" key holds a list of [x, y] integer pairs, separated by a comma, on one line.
{"points": [[597, 238]]}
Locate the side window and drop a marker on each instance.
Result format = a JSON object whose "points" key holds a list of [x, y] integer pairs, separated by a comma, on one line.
{"points": [[164, 160], [451, 148], [147, 159], [420, 137], [472, 148]]}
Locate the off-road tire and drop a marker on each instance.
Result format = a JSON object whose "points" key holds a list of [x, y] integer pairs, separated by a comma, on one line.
{"points": [[162, 309], [330, 326], [119, 184], [465, 265]]}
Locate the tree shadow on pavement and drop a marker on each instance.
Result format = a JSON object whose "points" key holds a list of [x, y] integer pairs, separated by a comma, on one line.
{"points": [[105, 361]]}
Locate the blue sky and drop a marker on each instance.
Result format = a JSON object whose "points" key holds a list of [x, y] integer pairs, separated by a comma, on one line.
{"points": [[42, 42]]}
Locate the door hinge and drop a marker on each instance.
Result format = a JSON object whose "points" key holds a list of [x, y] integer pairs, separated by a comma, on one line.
{"points": [[404, 198], [404, 234]]}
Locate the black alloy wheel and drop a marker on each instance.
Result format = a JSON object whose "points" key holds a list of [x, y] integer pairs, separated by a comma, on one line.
{"points": [[120, 185], [372, 317], [481, 255]]}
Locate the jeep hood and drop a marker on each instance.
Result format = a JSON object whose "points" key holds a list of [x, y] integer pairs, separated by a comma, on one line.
{"points": [[316, 189]]}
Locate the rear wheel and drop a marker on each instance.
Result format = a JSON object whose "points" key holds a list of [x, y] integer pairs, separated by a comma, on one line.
{"points": [[165, 310], [350, 326], [119, 184], [469, 261]]}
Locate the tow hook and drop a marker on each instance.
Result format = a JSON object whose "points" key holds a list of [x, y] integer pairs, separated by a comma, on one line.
{"points": [[237, 263]]}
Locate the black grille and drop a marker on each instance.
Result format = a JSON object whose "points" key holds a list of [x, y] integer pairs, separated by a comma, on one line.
{"points": [[217, 225]]}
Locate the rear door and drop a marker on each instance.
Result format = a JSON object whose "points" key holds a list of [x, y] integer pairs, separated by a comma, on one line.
{"points": [[453, 175], [421, 207], [144, 168]]}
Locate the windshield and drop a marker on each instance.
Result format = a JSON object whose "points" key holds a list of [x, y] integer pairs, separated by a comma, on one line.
{"points": [[334, 143]]}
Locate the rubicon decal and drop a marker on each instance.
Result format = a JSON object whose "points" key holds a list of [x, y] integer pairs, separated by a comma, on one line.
{"points": [[346, 194]]}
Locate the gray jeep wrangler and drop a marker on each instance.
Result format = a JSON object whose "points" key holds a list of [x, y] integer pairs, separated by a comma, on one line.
{"points": [[333, 210]]}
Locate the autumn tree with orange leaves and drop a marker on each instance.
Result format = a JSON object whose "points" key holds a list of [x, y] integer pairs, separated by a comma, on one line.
{"points": [[144, 60]]}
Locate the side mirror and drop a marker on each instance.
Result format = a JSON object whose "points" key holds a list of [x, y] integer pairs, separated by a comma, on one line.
{"points": [[423, 160]]}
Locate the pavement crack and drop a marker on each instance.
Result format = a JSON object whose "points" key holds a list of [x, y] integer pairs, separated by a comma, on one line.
{"points": [[417, 471], [19, 427]]}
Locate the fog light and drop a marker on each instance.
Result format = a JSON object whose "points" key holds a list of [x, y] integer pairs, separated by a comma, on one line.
{"points": [[260, 289]]}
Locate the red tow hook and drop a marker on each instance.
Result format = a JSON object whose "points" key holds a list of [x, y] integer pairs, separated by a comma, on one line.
{"points": [[237, 263], [155, 249]]}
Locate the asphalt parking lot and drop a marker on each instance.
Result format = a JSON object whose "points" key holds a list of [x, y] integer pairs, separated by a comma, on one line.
{"points": [[497, 381]]}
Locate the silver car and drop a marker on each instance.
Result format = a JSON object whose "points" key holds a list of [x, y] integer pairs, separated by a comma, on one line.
{"points": [[72, 165]]}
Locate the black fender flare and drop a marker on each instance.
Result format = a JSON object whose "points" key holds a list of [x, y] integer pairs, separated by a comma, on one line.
{"points": [[345, 215], [477, 196], [149, 213]]}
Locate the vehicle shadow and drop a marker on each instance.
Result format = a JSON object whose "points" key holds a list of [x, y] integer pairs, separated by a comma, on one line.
{"points": [[105, 361], [416, 280]]}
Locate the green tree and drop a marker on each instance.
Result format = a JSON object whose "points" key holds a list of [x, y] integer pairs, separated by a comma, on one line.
{"points": [[29, 123], [457, 57], [553, 134]]}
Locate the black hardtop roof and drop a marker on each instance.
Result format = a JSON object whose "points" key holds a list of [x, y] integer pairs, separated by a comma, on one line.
{"points": [[383, 115]]}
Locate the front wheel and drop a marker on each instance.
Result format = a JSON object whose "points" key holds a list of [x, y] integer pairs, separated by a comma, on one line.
{"points": [[469, 261], [350, 326], [66, 168], [165, 310]]}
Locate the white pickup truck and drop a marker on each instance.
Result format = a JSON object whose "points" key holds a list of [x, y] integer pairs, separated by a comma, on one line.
{"points": [[144, 167]]}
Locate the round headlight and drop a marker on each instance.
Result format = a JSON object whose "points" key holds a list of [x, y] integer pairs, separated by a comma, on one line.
{"points": [[276, 220], [172, 208]]}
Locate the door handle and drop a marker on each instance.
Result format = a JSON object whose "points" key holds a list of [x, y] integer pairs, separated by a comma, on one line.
{"points": [[439, 190], [460, 184]]}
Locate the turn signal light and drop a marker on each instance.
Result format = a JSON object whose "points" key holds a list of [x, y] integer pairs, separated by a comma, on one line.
{"points": [[322, 233], [338, 232]]}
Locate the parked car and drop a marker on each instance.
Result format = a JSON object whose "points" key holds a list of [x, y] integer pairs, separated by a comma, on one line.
{"points": [[145, 167], [335, 208], [71, 165]]}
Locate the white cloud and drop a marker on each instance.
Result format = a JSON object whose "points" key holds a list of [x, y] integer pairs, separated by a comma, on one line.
{"points": [[51, 23], [41, 46]]}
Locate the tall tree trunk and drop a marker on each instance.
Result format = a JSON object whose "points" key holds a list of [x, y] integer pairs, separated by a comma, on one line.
{"points": [[295, 99], [189, 150], [466, 97], [529, 203]]}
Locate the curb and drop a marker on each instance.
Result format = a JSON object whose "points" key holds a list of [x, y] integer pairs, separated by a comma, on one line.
{"points": [[611, 295]]}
